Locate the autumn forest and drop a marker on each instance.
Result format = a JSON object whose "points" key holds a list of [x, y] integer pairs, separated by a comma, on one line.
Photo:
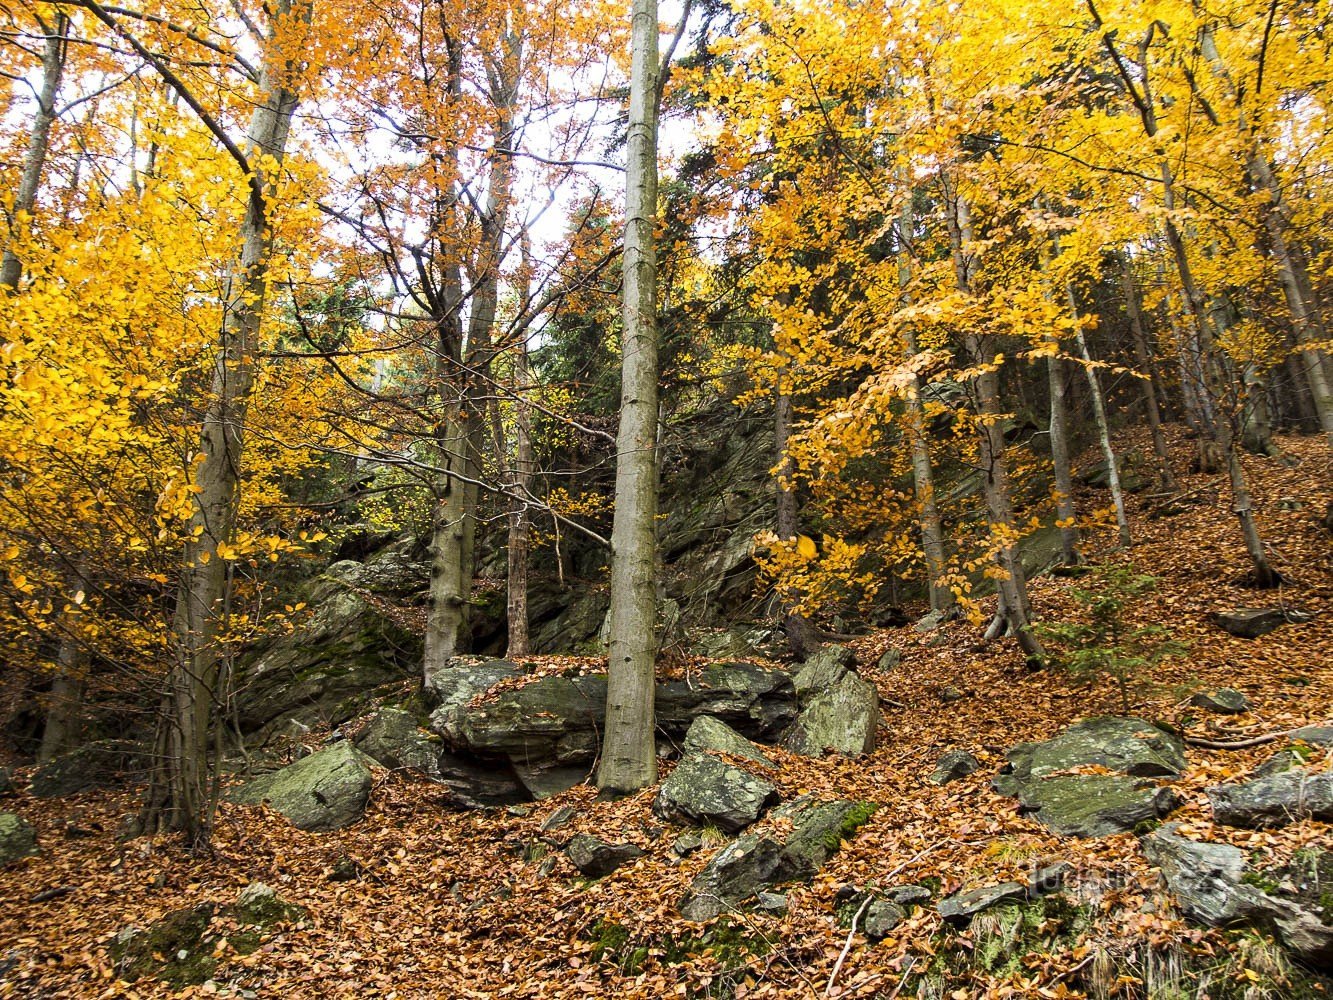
{"points": [[515, 498]]}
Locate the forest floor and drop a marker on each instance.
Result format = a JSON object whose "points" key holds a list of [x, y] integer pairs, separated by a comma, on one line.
{"points": [[460, 904]]}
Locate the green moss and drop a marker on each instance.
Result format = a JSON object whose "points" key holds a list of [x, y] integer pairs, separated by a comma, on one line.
{"points": [[173, 949], [1260, 881], [858, 816]]}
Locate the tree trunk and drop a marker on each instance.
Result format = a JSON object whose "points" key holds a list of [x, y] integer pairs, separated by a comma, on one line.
{"points": [[39, 142], [177, 797], [520, 520], [1015, 610], [447, 595], [65, 701], [1147, 379], [1064, 480], [629, 760], [1099, 418]]}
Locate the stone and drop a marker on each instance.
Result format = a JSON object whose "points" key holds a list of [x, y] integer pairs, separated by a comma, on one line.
{"points": [[1223, 701], [325, 791], [929, 622], [687, 843], [757, 702], [707, 733], [881, 917], [772, 903], [558, 818], [1274, 800], [480, 782], [259, 906], [755, 862], [7, 783], [1049, 879], [1209, 883], [93, 765], [1316, 736], [596, 858], [1253, 623], [953, 765], [822, 670], [18, 838], [909, 895], [890, 660], [465, 679], [703, 789], [393, 739], [843, 718], [172, 948], [961, 907], [1095, 805], [949, 694]]}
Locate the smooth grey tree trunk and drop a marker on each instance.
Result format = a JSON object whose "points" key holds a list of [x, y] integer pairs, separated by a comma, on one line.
{"points": [[629, 760], [1147, 375], [177, 797], [1064, 479], [39, 143], [520, 518]]}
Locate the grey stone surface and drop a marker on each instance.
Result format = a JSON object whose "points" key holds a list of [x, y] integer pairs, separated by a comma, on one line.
{"points": [[881, 917], [325, 791], [889, 660], [18, 838], [1254, 623], [1274, 800], [963, 906], [393, 738], [1223, 701], [707, 733], [596, 858], [703, 789], [822, 670], [843, 718], [953, 765]]}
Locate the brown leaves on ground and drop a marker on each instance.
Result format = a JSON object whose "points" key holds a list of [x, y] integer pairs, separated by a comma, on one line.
{"points": [[473, 905]]}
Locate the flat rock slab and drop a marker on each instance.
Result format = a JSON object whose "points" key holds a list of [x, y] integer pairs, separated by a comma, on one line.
{"points": [[703, 789], [1253, 623], [1095, 804], [596, 858], [325, 791], [1274, 800], [1223, 701], [709, 734], [393, 739], [963, 906]]}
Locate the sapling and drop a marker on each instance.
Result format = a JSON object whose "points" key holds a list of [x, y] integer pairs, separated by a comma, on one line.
{"points": [[1101, 643]]}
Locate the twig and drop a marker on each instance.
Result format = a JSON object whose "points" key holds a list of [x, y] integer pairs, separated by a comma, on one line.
{"points": [[1254, 741], [903, 981], [46, 895], [847, 947]]}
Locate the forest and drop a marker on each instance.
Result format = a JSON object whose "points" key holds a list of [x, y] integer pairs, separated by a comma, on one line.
{"points": [[747, 499]]}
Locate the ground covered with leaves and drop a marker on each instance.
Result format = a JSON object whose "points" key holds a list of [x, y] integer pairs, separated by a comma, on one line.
{"points": [[416, 900]]}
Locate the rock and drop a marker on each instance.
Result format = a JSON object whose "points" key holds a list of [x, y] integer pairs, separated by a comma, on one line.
{"points": [[456, 686], [18, 839], [909, 895], [687, 843], [929, 622], [772, 903], [596, 858], [323, 673], [823, 670], [259, 906], [755, 862], [953, 765], [1224, 701], [1049, 879], [560, 817], [93, 765], [707, 733], [393, 739], [757, 702], [1252, 623], [542, 781], [881, 917], [843, 718], [890, 660], [703, 789], [961, 907], [1274, 800], [7, 783], [949, 694], [1316, 736], [481, 783], [1208, 881], [1095, 805], [325, 791]]}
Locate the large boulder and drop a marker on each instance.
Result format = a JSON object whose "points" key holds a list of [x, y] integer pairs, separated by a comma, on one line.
{"points": [[323, 672], [1043, 776], [93, 765], [325, 791], [703, 789], [1274, 800], [18, 839], [842, 718], [822, 670], [810, 831], [1213, 884]]}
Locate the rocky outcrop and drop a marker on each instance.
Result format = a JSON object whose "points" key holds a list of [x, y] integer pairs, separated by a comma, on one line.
{"points": [[1253, 623], [961, 907], [394, 739], [18, 839], [704, 790], [709, 734], [822, 670], [1210, 884], [325, 791], [809, 833], [1043, 776], [548, 728], [1274, 800], [93, 765]]}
